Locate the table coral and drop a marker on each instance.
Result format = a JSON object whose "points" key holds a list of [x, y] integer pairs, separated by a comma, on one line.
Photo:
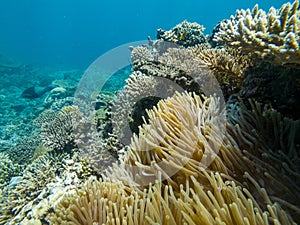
{"points": [[274, 36]]}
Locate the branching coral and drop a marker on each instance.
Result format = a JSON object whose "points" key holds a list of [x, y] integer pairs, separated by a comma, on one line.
{"points": [[8, 169], [177, 67], [274, 36], [45, 117], [34, 179], [71, 132], [43, 183], [125, 100], [24, 150], [191, 67], [188, 163], [59, 133], [227, 64], [140, 55]]}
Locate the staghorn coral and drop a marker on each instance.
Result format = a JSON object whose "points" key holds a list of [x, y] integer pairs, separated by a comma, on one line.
{"points": [[176, 67], [23, 151], [59, 133], [274, 36], [184, 34], [181, 59], [8, 169], [45, 117], [35, 177], [73, 133], [140, 55]]}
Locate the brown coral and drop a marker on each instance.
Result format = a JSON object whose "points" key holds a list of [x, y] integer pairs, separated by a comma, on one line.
{"points": [[227, 64], [272, 146]]}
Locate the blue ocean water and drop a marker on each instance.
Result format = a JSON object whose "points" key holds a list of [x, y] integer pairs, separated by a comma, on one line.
{"points": [[74, 33]]}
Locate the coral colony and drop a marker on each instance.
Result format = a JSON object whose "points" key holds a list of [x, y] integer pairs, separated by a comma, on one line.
{"points": [[194, 157]]}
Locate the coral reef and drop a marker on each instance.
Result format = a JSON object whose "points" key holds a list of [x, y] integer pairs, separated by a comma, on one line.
{"points": [[59, 133], [103, 104], [273, 36], [125, 100], [275, 85], [34, 179], [226, 64], [71, 132], [185, 34], [62, 89], [23, 151], [8, 169], [171, 149], [189, 67], [107, 202], [44, 117], [167, 148]]}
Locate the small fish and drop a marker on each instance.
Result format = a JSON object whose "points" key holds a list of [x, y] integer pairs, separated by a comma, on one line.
{"points": [[182, 35]]}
